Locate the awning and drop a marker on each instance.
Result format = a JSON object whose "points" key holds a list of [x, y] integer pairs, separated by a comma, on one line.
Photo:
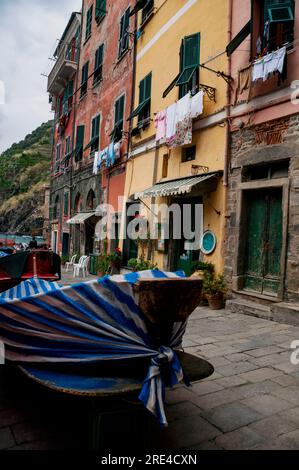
{"points": [[80, 218], [175, 187]]}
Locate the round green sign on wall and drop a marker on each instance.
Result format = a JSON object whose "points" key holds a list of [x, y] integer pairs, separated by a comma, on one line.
{"points": [[208, 242]]}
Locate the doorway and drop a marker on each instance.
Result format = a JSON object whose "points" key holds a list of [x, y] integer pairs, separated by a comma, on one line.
{"points": [[65, 243], [263, 248], [185, 259]]}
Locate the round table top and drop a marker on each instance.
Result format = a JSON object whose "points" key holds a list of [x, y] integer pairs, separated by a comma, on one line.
{"points": [[104, 380]]}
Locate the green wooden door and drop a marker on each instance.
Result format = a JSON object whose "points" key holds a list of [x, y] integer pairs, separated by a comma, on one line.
{"points": [[185, 259], [264, 242]]}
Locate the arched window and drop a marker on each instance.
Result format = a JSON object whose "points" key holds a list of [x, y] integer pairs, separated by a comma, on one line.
{"points": [[90, 201], [56, 209]]}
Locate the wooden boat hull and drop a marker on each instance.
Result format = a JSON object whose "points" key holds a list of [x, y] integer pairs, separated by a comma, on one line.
{"points": [[19, 267]]}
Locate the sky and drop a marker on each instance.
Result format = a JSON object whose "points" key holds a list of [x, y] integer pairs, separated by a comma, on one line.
{"points": [[29, 30]]}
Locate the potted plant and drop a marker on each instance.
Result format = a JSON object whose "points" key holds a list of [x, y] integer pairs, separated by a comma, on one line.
{"points": [[115, 261], [103, 264], [141, 264], [214, 288], [201, 268]]}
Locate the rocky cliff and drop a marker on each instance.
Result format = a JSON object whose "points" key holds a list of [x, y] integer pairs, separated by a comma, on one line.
{"points": [[24, 178]]}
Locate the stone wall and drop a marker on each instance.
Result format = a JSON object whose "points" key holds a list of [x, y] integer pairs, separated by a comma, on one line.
{"points": [[266, 143]]}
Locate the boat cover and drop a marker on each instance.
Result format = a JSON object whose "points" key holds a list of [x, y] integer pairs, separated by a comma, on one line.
{"points": [[94, 321]]}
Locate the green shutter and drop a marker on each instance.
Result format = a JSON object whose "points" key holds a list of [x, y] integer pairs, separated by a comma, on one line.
{"points": [[95, 131], [89, 22], [145, 87], [99, 57], [100, 9], [79, 142], [279, 11], [191, 51], [66, 204], [239, 38], [123, 32], [85, 73], [189, 58]]}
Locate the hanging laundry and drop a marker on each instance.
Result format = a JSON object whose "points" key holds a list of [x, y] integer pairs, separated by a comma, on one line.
{"points": [[183, 135], [160, 125], [95, 163], [117, 150], [183, 108], [197, 104], [244, 82], [259, 46], [110, 155], [275, 62], [102, 157], [266, 32], [170, 122], [258, 70]]}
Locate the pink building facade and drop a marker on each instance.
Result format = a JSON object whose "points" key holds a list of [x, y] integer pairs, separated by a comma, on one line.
{"points": [[262, 257]]}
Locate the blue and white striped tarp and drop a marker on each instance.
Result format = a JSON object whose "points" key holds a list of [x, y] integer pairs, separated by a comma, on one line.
{"points": [[29, 288], [95, 321]]}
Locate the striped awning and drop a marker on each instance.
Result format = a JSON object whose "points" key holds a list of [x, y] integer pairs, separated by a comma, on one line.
{"points": [[80, 218], [175, 187]]}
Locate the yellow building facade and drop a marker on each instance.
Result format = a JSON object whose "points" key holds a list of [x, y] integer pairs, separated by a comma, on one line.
{"points": [[165, 31]]}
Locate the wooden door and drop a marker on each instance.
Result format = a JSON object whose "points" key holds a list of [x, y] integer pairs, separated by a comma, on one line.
{"points": [[264, 241]]}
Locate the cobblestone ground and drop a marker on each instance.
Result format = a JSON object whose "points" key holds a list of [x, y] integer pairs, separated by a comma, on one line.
{"points": [[250, 402]]}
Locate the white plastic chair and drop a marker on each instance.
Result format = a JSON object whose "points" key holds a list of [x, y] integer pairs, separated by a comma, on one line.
{"points": [[81, 266], [70, 264]]}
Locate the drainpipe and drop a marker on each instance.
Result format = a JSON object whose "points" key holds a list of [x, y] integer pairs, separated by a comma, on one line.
{"points": [[227, 144], [228, 98]]}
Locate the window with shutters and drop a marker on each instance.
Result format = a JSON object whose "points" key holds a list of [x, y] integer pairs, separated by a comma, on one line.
{"points": [[100, 11], [84, 80], [68, 98], [119, 109], [66, 204], [143, 110], [98, 65], [58, 158], [273, 25], [147, 10], [88, 23], [95, 135], [188, 79], [123, 42], [67, 152], [79, 143], [67, 149]]}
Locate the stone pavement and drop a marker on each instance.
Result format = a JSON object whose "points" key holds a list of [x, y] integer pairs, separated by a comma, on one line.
{"points": [[250, 402]]}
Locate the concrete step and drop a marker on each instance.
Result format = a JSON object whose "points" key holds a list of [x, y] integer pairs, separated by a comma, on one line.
{"points": [[281, 312]]}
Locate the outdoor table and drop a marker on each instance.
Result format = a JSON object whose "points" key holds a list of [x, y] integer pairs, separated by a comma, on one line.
{"points": [[112, 388]]}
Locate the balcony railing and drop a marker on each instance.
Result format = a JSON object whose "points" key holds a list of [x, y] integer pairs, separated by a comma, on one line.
{"points": [[63, 70]]}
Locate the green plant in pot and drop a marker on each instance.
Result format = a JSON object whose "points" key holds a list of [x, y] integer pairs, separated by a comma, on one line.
{"points": [[201, 268], [103, 265], [214, 287], [141, 264], [115, 261]]}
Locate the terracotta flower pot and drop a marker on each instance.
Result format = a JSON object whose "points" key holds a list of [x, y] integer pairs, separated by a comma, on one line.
{"points": [[215, 301]]}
